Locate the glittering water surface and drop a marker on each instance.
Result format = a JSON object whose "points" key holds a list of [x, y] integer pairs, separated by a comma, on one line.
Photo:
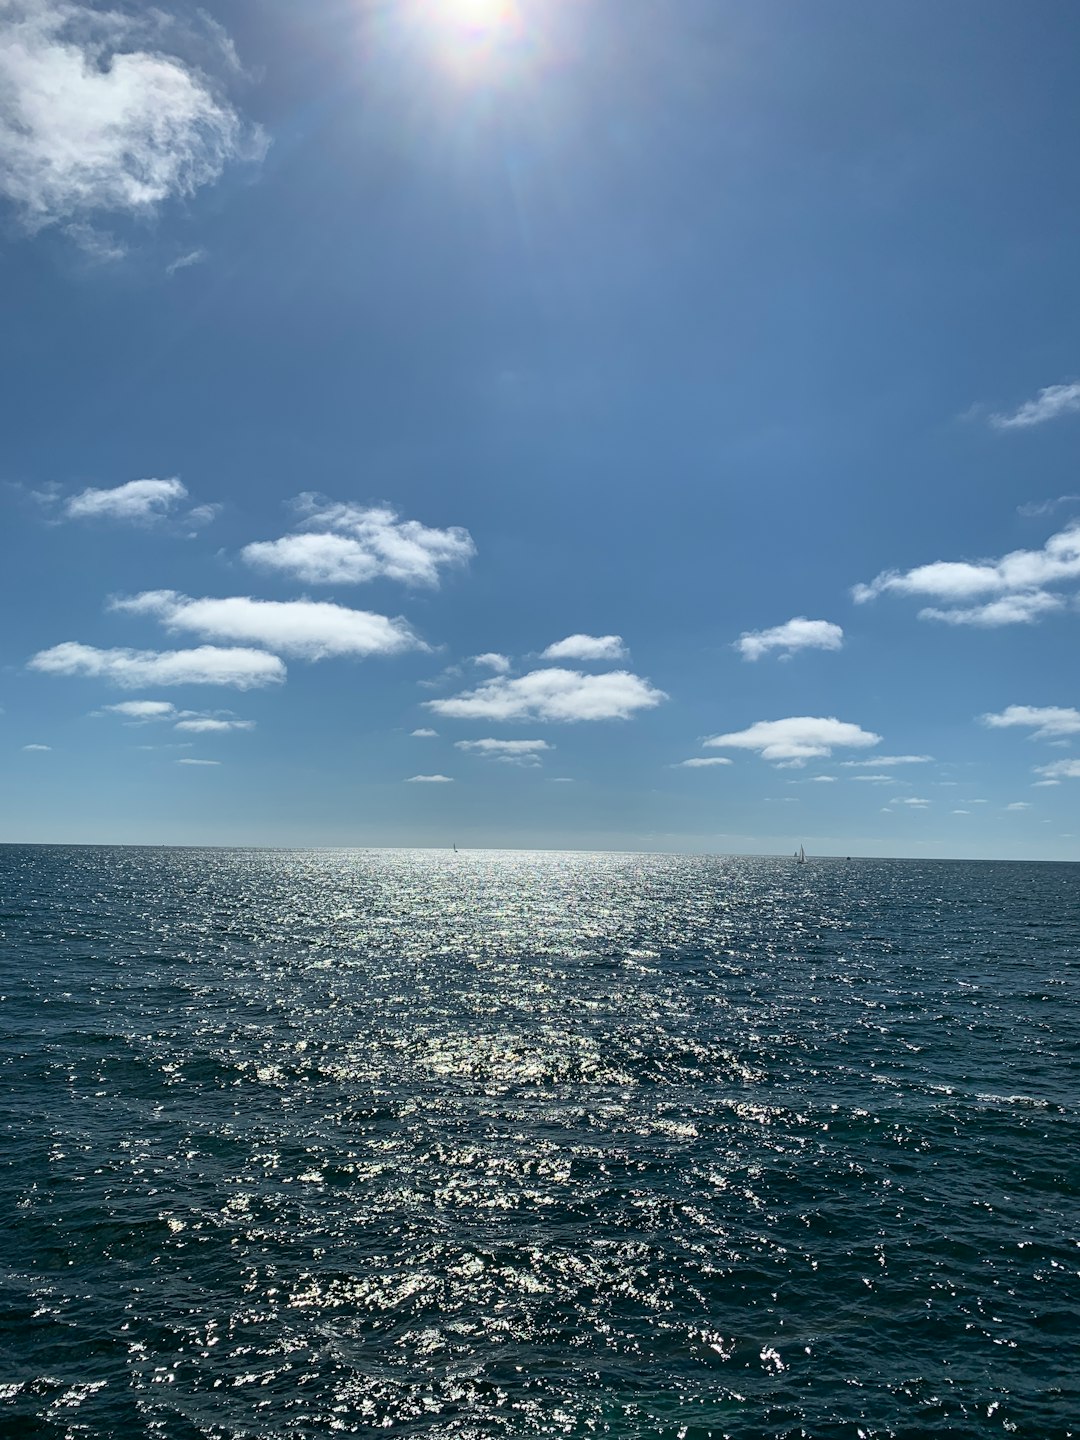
{"points": [[294, 1143]]}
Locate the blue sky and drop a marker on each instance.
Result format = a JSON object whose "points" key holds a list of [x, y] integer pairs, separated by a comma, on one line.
{"points": [[708, 370]]}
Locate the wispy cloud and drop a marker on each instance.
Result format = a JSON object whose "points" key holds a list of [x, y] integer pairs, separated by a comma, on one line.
{"points": [[586, 647], [99, 118], [184, 262], [702, 762], [137, 669], [1023, 609], [514, 752], [188, 760], [797, 739], [1049, 404], [138, 500], [311, 629], [879, 762], [1035, 509], [37, 747], [1019, 805], [1015, 585], [1060, 770], [424, 734], [341, 544], [1048, 722], [139, 712], [553, 695], [915, 801], [794, 635], [212, 725], [429, 780]]}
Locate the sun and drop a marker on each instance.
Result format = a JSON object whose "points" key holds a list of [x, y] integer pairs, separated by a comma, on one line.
{"points": [[478, 17]]}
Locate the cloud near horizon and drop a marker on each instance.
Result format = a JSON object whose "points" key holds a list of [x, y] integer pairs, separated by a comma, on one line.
{"points": [[701, 762], [309, 629], [587, 647], [345, 544], [1060, 770], [557, 695], [133, 669], [429, 780], [877, 762], [1015, 585], [794, 635], [99, 119], [796, 739]]}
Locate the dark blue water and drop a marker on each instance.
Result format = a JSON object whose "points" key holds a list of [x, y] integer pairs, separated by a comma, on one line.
{"points": [[349, 1142]]}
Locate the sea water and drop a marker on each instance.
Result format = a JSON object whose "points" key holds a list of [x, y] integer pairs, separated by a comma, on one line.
{"points": [[299, 1143]]}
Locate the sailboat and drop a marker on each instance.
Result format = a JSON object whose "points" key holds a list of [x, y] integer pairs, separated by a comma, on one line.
{"points": [[800, 856]]}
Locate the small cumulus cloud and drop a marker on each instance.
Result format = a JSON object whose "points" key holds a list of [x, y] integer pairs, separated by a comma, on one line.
{"points": [[880, 762], [702, 762], [310, 629], [37, 747], [797, 739], [141, 711], [791, 637], [586, 647], [1011, 590], [516, 752], [1019, 805], [492, 660], [423, 734], [429, 780], [212, 725], [1048, 722], [347, 544], [135, 669], [557, 695]]}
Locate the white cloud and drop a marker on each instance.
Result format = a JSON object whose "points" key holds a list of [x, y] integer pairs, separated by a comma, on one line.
{"points": [[311, 629], [138, 500], [189, 761], [1053, 401], [1046, 723], [700, 762], [37, 747], [961, 812], [134, 669], [92, 122], [794, 635], [429, 780], [1034, 509], [184, 262], [1017, 582], [343, 544], [1018, 805], [424, 734], [1021, 609], [553, 695], [879, 762], [208, 724], [494, 661], [142, 710], [915, 800], [798, 738], [586, 647], [823, 780], [516, 752], [1060, 770], [876, 779]]}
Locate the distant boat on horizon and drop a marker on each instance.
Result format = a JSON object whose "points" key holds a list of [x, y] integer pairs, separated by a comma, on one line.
{"points": [[800, 856]]}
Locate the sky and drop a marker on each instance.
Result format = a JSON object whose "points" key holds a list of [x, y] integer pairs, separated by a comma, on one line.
{"points": [[546, 423]]}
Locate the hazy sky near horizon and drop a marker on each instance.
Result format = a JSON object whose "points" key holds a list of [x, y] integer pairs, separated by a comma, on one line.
{"points": [[579, 423]]}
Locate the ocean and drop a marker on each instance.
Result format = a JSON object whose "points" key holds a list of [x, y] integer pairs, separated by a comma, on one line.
{"points": [[349, 1142]]}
